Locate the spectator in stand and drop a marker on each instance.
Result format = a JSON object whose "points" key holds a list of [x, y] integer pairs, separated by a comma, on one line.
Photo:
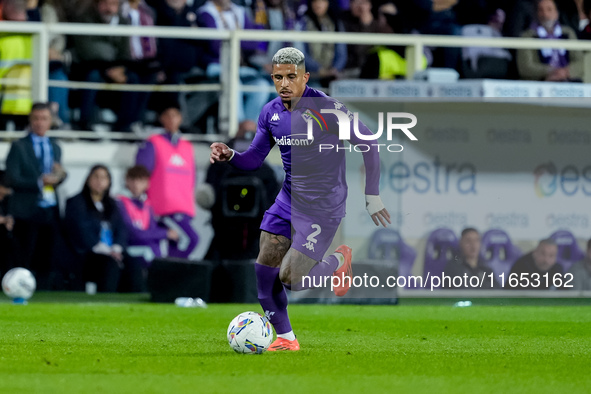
{"points": [[177, 57], [540, 261], [33, 12], [585, 34], [97, 233], [324, 61], [572, 14], [106, 59], [549, 64], [16, 57], [272, 15], [469, 262], [59, 61], [486, 62], [73, 10], [34, 171], [361, 19], [169, 159], [522, 15], [143, 49], [145, 235], [443, 21], [581, 272], [225, 15]]}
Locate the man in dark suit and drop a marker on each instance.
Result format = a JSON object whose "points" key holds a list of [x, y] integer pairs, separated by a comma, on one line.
{"points": [[34, 171]]}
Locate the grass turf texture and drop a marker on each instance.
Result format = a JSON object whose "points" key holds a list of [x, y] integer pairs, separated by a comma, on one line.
{"points": [[107, 347]]}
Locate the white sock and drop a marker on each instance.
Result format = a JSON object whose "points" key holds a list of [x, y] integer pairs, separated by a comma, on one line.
{"points": [[290, 336], [340, 258]]}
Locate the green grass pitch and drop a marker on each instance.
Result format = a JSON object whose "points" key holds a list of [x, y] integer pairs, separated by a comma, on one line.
{"points": [[74, 345]]}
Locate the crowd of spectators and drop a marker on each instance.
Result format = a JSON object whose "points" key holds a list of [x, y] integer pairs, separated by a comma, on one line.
{"points": [[147, 60], [103, 239], [538, 264]]}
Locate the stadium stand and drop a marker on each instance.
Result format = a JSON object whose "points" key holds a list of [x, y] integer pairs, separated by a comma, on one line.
{"points": [[442, 245], [387, 244], [569, 251], [498, 252]]}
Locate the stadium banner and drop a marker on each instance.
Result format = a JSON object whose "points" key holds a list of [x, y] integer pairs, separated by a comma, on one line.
{"points": [[518, 167]]}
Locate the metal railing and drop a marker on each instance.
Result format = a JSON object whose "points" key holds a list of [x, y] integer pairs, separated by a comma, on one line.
{"points": [[230, 84]]}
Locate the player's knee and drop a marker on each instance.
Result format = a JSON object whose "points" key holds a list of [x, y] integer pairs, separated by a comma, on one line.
{"points": [[268, 259], [285, 277]]}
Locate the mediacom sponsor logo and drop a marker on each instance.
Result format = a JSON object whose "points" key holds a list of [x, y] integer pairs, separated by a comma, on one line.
{"points": [[294, 140]]}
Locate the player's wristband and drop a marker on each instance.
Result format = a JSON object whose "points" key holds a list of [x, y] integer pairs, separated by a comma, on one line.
{"points": [[373, 204], [233, 153]]}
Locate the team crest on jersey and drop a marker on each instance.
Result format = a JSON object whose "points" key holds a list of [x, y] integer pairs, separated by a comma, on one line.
{"points": [[309, 114]]}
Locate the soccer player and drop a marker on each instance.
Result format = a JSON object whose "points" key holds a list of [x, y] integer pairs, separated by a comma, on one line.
{"points": [[299, 228]]}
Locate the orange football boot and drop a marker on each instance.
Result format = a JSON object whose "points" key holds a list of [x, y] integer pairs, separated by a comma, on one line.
{"points": [[281, 344], [346, 271]]}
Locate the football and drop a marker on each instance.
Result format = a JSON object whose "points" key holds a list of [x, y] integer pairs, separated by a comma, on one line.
{"points": [[250, 333], [19, 283]]}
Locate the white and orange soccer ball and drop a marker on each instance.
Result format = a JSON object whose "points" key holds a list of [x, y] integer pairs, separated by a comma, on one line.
{"points": [[250, 333]]}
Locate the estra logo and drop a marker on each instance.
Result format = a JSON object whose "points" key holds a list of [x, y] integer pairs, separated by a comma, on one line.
{"points": [[344, 120], [568, 180]]}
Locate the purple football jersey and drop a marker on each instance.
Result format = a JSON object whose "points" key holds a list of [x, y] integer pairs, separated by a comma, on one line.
{"points": [[315, 182]]}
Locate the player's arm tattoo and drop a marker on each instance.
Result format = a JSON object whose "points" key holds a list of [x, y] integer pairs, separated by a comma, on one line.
{"points": [[273, 248]]}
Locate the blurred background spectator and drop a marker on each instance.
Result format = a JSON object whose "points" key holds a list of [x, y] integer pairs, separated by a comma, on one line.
{"points": [[60, 60], [225, 15], [169, 159], [581, 272], [107, 59], [360, 19], [324, 61], [277, 15], [522, 15], [540, 261], [34, 172], [550, 64], [16, 57], [144, 234], [585, 33], [469, 261], [486, 62], [178, 58], [97, 234]]}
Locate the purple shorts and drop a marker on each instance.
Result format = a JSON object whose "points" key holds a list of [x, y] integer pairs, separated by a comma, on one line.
{"points": [[310, 235]]}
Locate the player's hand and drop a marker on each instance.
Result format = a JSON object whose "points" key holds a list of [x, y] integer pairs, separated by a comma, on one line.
{"points": [[220, 152], [172, 235], [375, 207], [9, 223], [50, 180]]}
